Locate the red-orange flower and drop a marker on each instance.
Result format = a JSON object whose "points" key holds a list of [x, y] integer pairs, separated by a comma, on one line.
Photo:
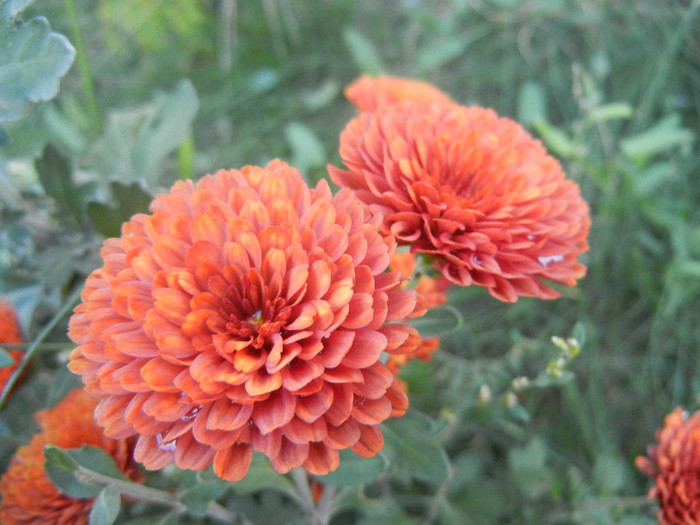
{"points": [[28, 496], [248, 312], [369, 93], [473, 190], [674, 463], [433, 292], [9, 334]]}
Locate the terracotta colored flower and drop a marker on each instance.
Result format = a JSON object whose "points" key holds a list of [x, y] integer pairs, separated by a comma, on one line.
{"points": [[246, 313], [433, 292], [28, 496], [674, 463], [368, 93], [474, 191], [9, 334]]}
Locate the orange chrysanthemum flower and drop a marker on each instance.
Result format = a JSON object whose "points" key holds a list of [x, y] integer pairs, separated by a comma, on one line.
{"points": [[674, 463], [9, 334], [433, 292], [28, 496], [473, 190], [246, 313], [369, 93]]}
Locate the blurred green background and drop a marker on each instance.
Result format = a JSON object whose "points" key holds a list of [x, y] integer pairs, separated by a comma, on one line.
{"points": [[162, 90]]}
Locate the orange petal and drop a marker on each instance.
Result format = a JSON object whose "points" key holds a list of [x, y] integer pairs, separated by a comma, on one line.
{"points": [[232, 463], [370, 443], [275, 412], [322, 459]]}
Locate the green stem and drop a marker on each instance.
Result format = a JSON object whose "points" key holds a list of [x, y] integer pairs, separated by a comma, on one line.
{"points": [[84, 68], [69, 304], [143, 493]]}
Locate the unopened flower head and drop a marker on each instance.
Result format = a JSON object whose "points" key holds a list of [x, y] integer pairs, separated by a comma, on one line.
{"points": [[246, 313]]}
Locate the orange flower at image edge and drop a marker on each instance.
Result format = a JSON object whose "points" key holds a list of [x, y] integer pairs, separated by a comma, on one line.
{"points": [[674, 464], [28, 496], [474, 191], [247, 313], [9, 334]]}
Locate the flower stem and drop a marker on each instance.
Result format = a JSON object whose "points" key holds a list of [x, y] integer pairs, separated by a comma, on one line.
{"points": [[84, 68], [69, 304], [143, 493]]}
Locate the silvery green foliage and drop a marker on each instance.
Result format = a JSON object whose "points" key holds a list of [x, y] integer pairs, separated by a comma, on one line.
{"points": [[32, 60]]}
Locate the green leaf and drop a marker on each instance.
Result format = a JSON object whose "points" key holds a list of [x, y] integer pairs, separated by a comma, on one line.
{"points": [[611, 111], [261, 477], [532, 103], [32, 61], [13, 7], [105, 509], [97, 460], [528, 465], [438, 321], [60, 469], [56, 176], [610, 473], [307, 149], [355, 470], [557, 140], [364, 54], [5, 358], [63, 465], [163, 130], [666, 134], [130, 199], [197, 497], [440, 53], [412, 450]]}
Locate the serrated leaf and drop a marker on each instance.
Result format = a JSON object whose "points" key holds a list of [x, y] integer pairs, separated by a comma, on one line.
{"points": [[5, 358], [197, 497], [261, 477], [355, 470], [438, 321], [33, 60], [105, 509], [363, 52], [163, 131], [412, 449], [307, 149]]}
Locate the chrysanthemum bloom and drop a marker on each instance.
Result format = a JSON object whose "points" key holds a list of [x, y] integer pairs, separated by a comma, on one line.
{"points": [[433, 292], [246, 313], [474, 191], [28, 495], [674, 463], [9, 334], [369, 93]]}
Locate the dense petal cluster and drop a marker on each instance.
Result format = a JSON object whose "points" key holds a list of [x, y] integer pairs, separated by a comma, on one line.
{"points": [[28, 496], [474, 191], [432, 291], [247, 313], [674, 463], [369, 93], [9, 334]]}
